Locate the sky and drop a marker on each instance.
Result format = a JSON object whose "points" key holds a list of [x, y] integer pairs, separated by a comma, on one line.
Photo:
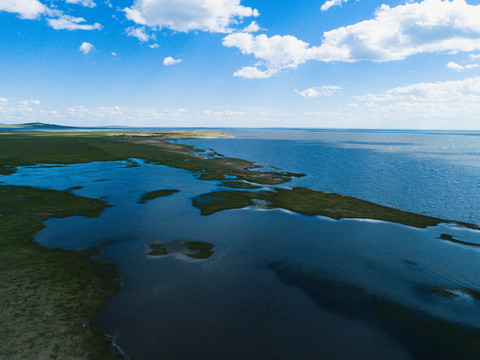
{"points": [[241, 63]]}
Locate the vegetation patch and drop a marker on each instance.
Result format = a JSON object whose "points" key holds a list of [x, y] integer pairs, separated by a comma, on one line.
{"points": [[48, 296], [312, 202], [450, 238], [156, 194], [23, 148], [157, 249], [199, 250], [193, 249]]}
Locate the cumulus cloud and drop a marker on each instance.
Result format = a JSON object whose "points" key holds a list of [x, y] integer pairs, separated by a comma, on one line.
{"points": [[34, 9], [86, 3], [394, 34], [171, 61], [153, 46], [86, 48], [253, 27], [26, 9], [454, 66], [328, 4], [457, 67], [277, 52], [186, 15], [325, 90], [67, 22], [140, 33]]}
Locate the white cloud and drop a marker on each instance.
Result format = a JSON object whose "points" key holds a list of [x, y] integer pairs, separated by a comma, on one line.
{"points": [[34, 9], [325, 90], [26, 9], [139, 33], [153, 46], [453, 104], [253, 27], [328, 4], [187, 15], [171, 61], [251, 72], [474, 56], [114, 54], [277, 52], [86, 48], [67, 22], [394, 34], [86, 3], [454, 66], [457, 67]]}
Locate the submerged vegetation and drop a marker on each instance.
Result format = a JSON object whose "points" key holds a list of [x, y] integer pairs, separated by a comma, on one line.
{"points": [[151, 195], [193, 249], [424, 336], [48, 296]]}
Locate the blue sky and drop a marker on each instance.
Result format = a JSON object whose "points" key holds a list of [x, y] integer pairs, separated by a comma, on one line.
{"points": [[222, 63]]}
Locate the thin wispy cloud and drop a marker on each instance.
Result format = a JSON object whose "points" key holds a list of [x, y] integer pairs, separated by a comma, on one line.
{"points": [[324, 90]]}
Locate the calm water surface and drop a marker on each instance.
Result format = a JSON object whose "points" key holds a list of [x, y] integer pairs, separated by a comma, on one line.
{"points": [[279, 285]]}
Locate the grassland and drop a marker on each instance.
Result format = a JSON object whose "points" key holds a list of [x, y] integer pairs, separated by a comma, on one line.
{"points": [[311, 202], [23, 148], [48, 296]]}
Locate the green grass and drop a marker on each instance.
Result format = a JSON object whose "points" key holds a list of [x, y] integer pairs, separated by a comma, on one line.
{"points": [[48, 296], [194, 249], [311, 202], [50, 147], [156, 194]]}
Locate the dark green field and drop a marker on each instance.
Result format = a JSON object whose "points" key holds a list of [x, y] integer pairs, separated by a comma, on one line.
{"points": [[48, 296]]}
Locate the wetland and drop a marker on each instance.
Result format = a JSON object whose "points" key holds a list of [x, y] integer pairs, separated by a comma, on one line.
{"points": [[148, 254]]}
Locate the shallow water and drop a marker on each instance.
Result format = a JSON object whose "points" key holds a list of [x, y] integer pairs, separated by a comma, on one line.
{"points": [[279, 285]]}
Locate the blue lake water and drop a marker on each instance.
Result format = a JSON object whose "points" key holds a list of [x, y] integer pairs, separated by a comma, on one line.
{"points": [[280, 285], [432, 173]]}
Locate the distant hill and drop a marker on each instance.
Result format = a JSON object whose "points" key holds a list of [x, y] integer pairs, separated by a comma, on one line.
{"points": [[34, 125]]}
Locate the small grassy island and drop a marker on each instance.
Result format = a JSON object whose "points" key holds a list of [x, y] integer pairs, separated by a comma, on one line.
{"points": [[193, 249], [49, 296], [151, 195]]}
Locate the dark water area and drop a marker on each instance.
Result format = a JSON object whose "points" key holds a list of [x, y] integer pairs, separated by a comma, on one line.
{"points": [[279, 285], [431, 173]]}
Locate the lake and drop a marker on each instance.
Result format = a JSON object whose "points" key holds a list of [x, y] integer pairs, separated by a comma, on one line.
{"points": [[280, 285]]}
